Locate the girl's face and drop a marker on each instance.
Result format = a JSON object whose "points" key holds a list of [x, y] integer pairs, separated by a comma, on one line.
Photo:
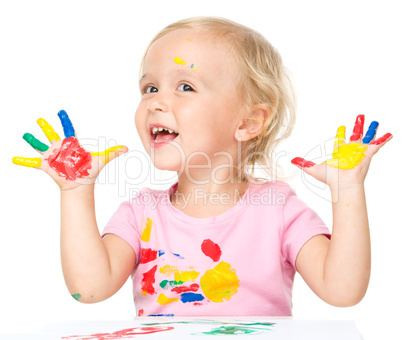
{"points": [[189, 86]]}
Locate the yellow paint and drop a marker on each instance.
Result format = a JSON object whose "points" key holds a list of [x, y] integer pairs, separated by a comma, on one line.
{"points": [[182, 276], [220, 283], [347, 156], [28, 162], [146, 228], [168, 270], [108, 154], [340, 136], [179, 61], [194, 67], [47, 129], [164, 300], [185, 276]]}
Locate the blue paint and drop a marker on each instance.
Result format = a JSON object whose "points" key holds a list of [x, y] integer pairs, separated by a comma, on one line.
{"points": [[161, 252], [178, 255], [191, 297], [66, 123], [372, 130], [161, 315]]}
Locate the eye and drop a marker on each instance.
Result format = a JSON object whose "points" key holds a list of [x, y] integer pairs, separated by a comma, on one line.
{"points": [[185, 87], [149, 89]]}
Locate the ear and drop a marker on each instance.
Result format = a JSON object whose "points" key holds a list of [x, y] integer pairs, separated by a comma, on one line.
{"points": [[252, 125]]}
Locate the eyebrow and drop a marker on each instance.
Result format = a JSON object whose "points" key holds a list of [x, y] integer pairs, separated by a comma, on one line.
{"points": [[179, 72]]}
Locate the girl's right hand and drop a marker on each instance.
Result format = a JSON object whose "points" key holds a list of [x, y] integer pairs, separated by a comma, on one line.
{"points": [[65, 160]]}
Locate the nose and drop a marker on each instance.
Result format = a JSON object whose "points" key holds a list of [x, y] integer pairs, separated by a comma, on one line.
{"points": [[157, 103]]}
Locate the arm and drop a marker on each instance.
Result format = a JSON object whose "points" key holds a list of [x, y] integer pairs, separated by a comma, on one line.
{"points": [[92, 266], [338, 271]]}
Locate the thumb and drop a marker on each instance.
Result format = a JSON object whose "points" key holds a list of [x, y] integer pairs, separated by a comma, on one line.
{"points": [[307, 166], [111, 153]]}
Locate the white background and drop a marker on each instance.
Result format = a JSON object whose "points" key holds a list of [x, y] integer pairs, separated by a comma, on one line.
{"points": [[83, 57]]}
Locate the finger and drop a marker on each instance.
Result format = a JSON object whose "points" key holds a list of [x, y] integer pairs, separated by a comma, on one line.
{"points": [[358, 129], [107, 155], [387, 137], [47, 129], [339, 139], [371, 132], [36, 144], [302, 162], [66, 123], [28, 162]]}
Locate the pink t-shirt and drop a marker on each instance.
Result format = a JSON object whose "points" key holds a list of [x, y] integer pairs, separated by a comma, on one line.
{"points": [[241, 262]]}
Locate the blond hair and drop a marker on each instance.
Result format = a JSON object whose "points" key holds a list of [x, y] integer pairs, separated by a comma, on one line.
{"points": [[265, 82]]}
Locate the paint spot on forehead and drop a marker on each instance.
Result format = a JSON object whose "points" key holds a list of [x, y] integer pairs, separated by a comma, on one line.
{"points": [[179, 61]]}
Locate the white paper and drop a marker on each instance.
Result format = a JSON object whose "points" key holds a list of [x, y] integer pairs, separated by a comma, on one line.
{"points": [[204, 328]]}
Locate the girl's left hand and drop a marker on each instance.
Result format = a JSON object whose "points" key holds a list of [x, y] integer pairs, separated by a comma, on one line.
{"points": [[350, 161]]}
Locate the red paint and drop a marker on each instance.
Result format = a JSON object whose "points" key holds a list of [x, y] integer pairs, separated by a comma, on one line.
{"points": [[211, 249], [148, 255], [193, 288], [123, 334], [358, 129], [148, 280], [302, 162], [197, 304], [381, 139], [70, 160], [141, 312]]}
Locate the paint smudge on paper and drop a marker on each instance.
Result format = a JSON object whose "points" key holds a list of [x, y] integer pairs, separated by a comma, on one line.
{"points": [[70, 160], [220, 283], [123, 334], [146, 228], [211, 249], [148, 280], [161, 315]]}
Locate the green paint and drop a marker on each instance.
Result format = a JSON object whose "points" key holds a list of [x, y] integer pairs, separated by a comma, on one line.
{"points": [[36, 144], [173, 284], [76, 296], [230, 330]]}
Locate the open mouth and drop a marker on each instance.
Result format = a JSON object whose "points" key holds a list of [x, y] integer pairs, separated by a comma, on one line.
{"points": [[161, 134]]}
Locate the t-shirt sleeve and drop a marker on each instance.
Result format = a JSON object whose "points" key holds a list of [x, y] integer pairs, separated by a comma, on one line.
{"points": [[123, 224], [300, 224]]}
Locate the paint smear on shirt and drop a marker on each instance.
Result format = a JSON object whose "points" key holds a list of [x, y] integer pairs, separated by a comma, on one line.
{"points": [[185, 276], [70, 160], [146, 228], [183, 289], [164, 284], [220, 283], [148, 280], [211, 249], [164, 300], [148, 255], [191, 297]]}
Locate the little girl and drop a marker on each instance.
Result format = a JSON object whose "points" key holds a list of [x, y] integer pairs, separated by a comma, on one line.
{"points": [[216, 99]]}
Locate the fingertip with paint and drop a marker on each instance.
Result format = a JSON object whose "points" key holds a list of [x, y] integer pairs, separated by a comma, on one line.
{"points": [[302, 162], [66, 123], [371, 132]]}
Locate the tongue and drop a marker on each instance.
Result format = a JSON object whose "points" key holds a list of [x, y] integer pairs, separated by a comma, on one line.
{"points": [[165, 136]]}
